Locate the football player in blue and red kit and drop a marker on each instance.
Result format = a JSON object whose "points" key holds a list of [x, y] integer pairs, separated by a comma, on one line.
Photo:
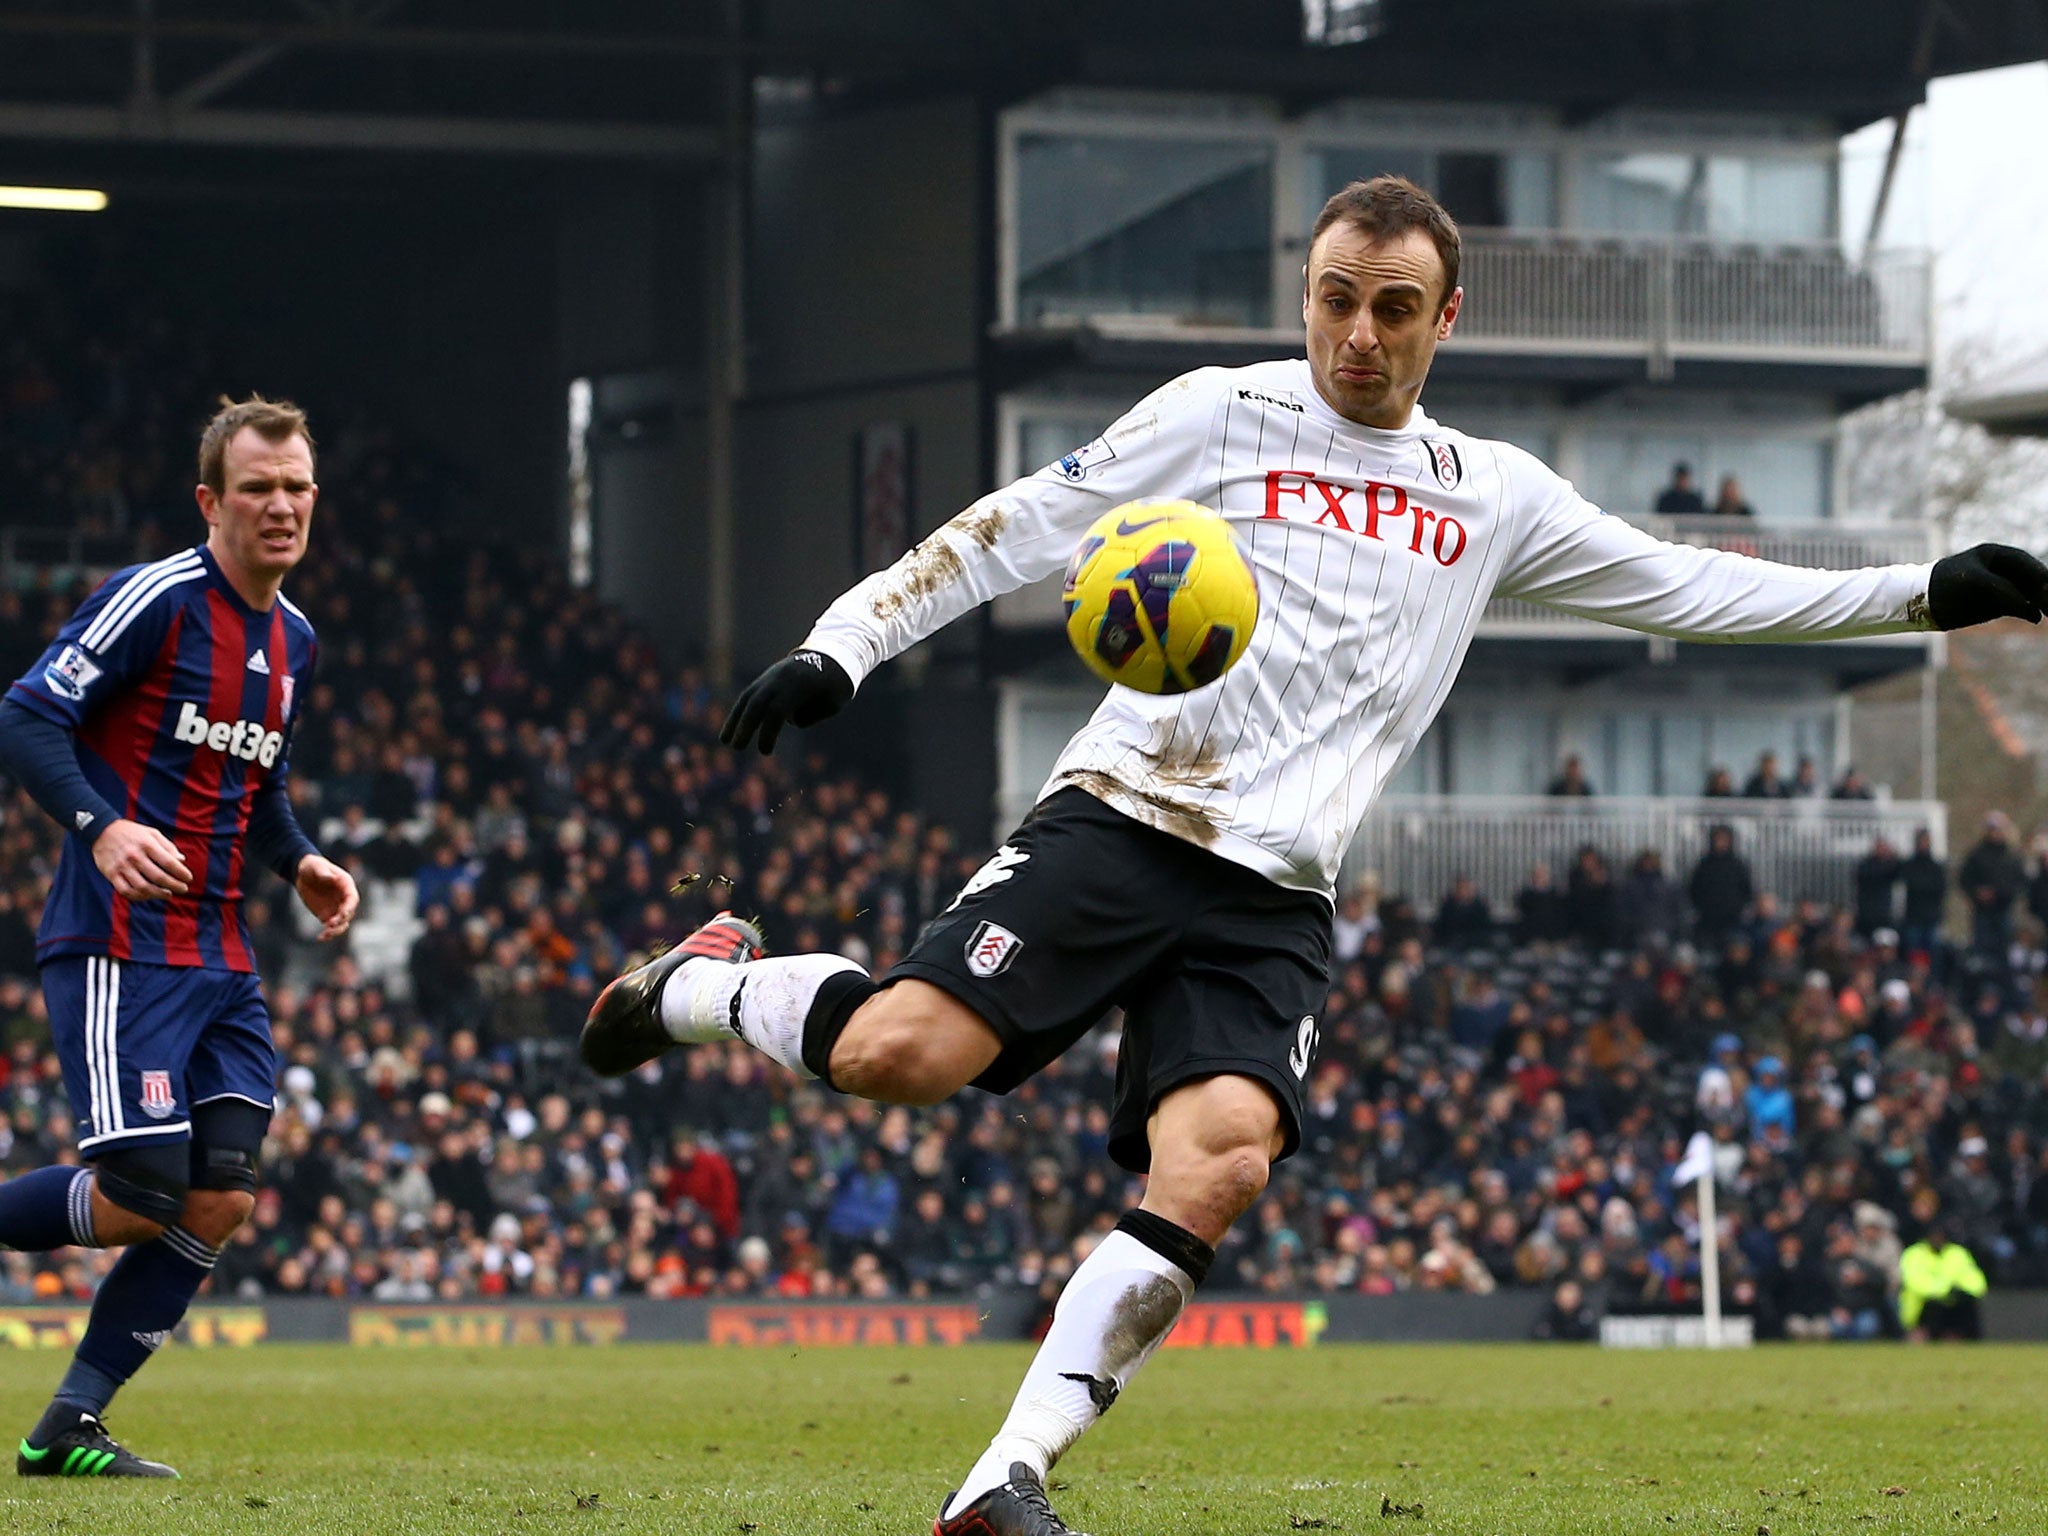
{"points": [[156, 730]]}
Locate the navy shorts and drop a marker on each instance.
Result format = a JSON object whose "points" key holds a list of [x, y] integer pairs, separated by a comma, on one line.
{"points": [[144, 1045]]}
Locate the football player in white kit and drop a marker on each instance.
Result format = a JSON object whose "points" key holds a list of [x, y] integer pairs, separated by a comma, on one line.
{"points": [[1181, 859]]}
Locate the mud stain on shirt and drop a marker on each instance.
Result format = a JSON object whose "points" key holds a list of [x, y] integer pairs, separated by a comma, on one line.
{"points": [[935, 564], [1188, 823]]}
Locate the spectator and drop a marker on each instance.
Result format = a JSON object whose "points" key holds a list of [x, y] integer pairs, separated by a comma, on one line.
{"points": [[1925, 880], [1767, 1103], [1877, 887], [702, 1176], [1851, 786], [1728, 502], [1805, 783], [1857, 1306], [1356, 921], [1591, 912], [1991, 878], [1540, 910], [1766, 783], [1939, 1283], [2037, 881], [1480, 1014], [1571, 779], [1651, 909], [1568, 1319], [1716, 1094], [1680, 498], [1795, 1295], [1463, 920], [1876, 1243], [1720, 888], [863, 1213], [1720, 785]]}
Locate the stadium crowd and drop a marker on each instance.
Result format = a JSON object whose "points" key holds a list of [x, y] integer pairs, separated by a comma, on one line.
{"points": [[1504, 1086]]}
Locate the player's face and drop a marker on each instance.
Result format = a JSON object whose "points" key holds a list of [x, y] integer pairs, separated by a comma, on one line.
{"points": [[260, 518], [1375, 310]]}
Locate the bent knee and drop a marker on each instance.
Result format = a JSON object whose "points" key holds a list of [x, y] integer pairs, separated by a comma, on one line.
{"points": [[1206, 1192], [212, 1215], [1238, 1177], [892, 1060], [911, 1044]]}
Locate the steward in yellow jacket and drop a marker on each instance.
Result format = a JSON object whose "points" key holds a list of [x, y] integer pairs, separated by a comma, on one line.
{"points": [[1939, 1283]]}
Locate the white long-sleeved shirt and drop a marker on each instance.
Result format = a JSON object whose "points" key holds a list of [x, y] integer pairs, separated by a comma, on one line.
{"points": [[1375, 553]]}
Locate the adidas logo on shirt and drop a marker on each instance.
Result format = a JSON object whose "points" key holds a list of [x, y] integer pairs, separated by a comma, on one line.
{"points": [[260, 663]]}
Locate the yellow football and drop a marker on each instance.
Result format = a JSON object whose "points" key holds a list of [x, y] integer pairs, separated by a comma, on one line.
{"points": [[1159, 597]]}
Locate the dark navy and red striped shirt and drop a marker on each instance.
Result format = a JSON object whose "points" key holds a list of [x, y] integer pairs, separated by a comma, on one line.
{"points": [[181, 698]]}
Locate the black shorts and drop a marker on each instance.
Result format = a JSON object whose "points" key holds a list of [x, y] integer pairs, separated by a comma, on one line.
{"points": [[1218, 970]]}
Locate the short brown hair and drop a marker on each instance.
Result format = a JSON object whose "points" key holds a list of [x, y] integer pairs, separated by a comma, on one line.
{"points": [[1389, 206], [276, 421]]}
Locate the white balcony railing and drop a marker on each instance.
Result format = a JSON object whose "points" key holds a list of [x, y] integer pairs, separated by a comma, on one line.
{"points": [[1668, 299], [1662, 300], [1829, 546], [1799, 849]]}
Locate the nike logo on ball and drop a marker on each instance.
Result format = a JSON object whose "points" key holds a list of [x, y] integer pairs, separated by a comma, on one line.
{"points": [[1125, 527]]}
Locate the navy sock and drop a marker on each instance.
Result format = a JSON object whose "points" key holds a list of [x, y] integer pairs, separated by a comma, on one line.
{"points": [[49, 1208], [140, 1302]]}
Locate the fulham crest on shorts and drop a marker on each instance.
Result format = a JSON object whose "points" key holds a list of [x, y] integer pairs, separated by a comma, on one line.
{"points": [[991, 949]]}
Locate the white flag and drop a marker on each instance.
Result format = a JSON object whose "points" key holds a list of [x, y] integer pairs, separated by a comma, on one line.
{"points": [[1698, 1161]]}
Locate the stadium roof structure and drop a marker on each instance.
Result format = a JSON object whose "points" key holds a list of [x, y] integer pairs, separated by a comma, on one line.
{"points": [[655, 79], [2011, 404]]}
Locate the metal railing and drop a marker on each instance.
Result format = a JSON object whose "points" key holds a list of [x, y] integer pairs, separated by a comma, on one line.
{"points": [[1800, 849], [1662, 300], [1686, 298], [1828, 546]]}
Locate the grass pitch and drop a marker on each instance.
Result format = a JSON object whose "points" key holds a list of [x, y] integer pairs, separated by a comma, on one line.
{"points": [[305, 1440]]}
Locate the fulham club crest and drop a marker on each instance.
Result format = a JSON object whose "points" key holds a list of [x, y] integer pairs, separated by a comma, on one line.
{"points": [[1444, 463], [991, 950]]}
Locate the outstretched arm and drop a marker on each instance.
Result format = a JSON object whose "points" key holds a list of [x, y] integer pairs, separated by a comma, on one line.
{"points": [[1018, 535], [1573, 557]]}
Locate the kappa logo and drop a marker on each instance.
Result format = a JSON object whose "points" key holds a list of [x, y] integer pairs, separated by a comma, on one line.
{"points": [[72, 673], [1001, 865], [991, 950], [259, 663], [1304, 1051], [157, 1099], [1444, 463], [1075, 465], [1283, 402]]}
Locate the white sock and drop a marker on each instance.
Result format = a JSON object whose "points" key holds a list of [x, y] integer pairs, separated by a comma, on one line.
{"points": [[1121, 1302], [764, 1002]]}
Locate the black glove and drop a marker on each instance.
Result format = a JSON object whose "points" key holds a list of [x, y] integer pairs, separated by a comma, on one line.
{"points": [[801, 689], [1985, 582]]}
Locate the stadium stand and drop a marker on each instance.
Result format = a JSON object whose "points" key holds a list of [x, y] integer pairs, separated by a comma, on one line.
{"points": [[529, 795]]}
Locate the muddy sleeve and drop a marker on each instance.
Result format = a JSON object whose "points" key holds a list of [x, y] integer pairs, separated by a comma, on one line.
{"points": [[1028, 530]]}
